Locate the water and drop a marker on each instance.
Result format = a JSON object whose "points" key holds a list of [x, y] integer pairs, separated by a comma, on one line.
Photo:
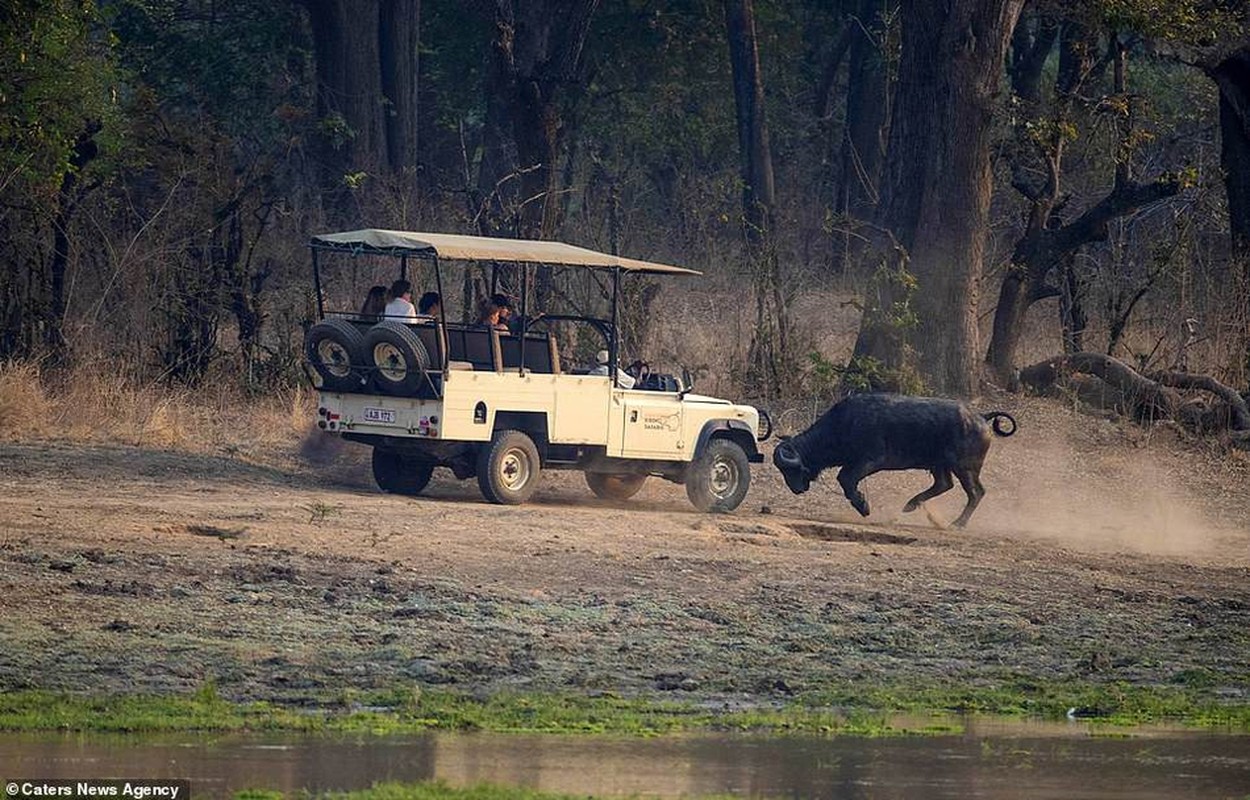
{"points": [[1016, 761]]}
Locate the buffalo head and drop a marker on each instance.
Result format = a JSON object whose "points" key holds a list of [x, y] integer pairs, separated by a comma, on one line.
{"points": [[787, 459]]}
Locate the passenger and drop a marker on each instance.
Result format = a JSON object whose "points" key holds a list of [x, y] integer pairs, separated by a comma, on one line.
{"points": [[375, 302], [494, 313], [623, 378], [401, 306], [430, 305]]}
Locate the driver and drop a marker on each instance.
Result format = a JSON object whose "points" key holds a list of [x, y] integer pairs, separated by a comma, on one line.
{"points": [[623, 378]]}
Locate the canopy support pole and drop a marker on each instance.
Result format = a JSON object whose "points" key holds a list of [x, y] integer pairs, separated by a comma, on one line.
{"points": [[442, 315], [614, 345], [321, 311]]}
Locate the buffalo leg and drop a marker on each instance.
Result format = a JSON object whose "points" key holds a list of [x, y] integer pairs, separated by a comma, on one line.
{"points": [[971, 481], [941, 483], [849, 478]]}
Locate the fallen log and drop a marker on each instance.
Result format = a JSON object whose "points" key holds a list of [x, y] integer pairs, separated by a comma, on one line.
{"points": [[1146, 399], [1143, 399], [1239, 413]]}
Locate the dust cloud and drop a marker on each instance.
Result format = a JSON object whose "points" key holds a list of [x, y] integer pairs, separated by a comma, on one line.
{"points": [[1057, 484]]}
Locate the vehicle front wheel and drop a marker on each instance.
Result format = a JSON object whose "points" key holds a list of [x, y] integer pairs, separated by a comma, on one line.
{"points": [[398, 475], [718, 479], [614, 487], [508, 468]]}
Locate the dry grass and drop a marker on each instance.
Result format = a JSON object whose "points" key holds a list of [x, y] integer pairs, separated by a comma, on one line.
{"points": [[91, 404], [25, 407]]}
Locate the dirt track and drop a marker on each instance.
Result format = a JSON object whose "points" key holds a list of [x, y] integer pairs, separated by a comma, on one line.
{"points": [[130, 569]]}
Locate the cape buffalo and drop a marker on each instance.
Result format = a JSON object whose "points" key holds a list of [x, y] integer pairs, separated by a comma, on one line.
{"points": [[868, 433]]}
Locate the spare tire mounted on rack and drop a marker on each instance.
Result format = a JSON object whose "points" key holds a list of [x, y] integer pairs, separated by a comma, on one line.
{"points": [[398, 357], [337, 351]]}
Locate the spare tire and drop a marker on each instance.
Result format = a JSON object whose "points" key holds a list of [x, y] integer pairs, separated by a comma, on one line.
{"points": [[337, 351], [398, 358]]}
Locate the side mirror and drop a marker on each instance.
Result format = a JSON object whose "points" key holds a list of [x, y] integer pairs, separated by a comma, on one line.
{"points": [[687, 382]]}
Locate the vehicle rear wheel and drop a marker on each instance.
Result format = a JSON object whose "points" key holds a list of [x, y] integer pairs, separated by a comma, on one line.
{"points": [[398, 475], [614, 487], [398, 357], [508, 468], [337, 351], [718, 479]]}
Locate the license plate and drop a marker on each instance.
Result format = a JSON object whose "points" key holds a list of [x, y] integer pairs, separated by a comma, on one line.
{"points": [[379, 415]]}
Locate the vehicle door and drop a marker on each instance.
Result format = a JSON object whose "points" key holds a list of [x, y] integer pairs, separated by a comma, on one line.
{"points": [[652, 424]]}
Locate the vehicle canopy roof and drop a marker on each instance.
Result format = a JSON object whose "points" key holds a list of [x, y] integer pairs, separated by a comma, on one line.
{"points": [[483, 248]]}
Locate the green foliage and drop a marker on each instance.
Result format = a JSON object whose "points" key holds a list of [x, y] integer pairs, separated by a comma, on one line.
{"points": [[1196, 22], [319, 511], [239, 67], [889, 318], [259, 794], [861, 374], [335, 129], [57, 79], [437, 790]]}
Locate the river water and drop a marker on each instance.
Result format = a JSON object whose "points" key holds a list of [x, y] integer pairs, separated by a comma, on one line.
{"points": [[1008, 760]]}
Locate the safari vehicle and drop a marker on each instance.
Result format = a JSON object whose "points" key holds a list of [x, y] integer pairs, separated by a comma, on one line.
{"points": [[500, 405]]}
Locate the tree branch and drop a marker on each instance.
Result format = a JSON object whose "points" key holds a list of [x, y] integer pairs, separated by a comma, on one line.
{"points": [[1046, 247]]}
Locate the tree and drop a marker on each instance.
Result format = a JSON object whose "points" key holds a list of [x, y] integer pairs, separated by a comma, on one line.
{"points": [[1232, 75], [366, 63], [867, 119], [1048, 242], [937, 180], [770, 362], [535, 57], [55, 100]]}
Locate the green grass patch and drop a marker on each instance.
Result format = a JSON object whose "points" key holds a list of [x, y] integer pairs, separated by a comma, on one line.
{"points": [[849, 709], [1191, 703], [428, 790]]}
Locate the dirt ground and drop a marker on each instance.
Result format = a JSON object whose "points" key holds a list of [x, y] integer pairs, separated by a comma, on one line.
{"points": [[1102, 550]]}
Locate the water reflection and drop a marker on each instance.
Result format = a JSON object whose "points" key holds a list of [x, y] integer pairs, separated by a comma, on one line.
{"points": [[990, 760]]}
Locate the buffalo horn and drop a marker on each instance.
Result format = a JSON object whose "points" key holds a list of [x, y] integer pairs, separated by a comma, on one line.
{"points": [[788, 456]]}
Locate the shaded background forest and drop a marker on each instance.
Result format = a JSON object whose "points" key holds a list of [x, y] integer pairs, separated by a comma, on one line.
{"points": [[881, 192]]}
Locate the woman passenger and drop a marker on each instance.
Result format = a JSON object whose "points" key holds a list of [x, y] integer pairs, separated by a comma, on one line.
{"points": [[375, 302]]}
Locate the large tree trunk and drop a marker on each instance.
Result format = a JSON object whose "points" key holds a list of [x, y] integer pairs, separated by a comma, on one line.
{"points": [[938, 181], [1232, 75], [399, 44], [85, 150], [1031, 43], [758, 186], [769, 362], [366, 62], [535, 55], [867, 117]]}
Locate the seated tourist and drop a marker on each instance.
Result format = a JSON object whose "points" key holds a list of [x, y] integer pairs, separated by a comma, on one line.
{"points": [[430, 306], [375, 302], [623, 378]]}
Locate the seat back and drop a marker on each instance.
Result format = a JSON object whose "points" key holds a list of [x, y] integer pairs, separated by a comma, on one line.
{"points": [[540, 352], [431, 337], [474, 344]]}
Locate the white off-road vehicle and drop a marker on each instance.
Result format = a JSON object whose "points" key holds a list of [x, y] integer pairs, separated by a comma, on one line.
{"points": [[500, 405]]}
